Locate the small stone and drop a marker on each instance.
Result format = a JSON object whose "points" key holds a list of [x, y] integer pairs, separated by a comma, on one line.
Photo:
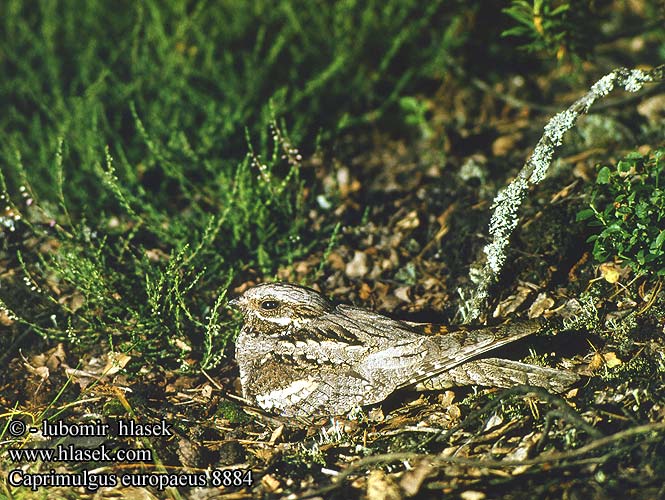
{"points": [[358, 267], [402, 293], [472, 495]]}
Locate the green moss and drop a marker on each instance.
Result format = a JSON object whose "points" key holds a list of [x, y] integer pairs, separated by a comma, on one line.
{"points": [[232, 412]]}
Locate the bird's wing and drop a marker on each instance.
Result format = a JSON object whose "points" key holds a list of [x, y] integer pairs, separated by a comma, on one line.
{"points": [[369, 355], [407, 353], [402, 354], [453, 348], [356, 326]]}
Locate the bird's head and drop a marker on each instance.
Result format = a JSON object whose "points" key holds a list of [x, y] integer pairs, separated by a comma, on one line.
{"points": [[270, 307]]}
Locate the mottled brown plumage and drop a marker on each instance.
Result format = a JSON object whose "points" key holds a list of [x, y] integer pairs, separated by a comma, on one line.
{"points": [[300, 355]]}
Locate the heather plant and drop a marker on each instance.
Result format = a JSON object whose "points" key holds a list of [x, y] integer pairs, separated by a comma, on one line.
{"points": [[149, 158], [143, 277], [557, 28], [172, 89]]}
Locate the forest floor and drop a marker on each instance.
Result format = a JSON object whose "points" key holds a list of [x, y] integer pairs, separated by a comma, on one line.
{"points": [[411, 211]]}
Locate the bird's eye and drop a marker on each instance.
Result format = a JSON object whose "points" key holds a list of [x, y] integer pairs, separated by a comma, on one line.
{"points": [[269, 305]]}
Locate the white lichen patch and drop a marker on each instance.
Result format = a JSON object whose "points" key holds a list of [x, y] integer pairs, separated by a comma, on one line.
{"points": [[635, 80], [559, 125], [503, 222], [604, 86], [540, 161]]}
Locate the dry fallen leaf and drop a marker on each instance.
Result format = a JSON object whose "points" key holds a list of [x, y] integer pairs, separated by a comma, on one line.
{"points": [[76, 301], [5, 318], [382, 487], [335, 261], [413, 479], [276, 434], [522, 451], [611, 272], [402, 293], [206, 391], [596, 362], [365, 291], [611, 359], [271, 484], [56, 357], [116, 361], [376, 415], [505, 144], [446, 399], [182, 345], [454, 412], [541, 305], [653, 108], [494, 421], [608, 359], [156, 255], [410, 221], [264, 455], [512, 302], [40, 371]]}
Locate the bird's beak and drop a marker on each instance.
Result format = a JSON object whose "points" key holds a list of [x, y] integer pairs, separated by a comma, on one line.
{"points": [[235, 303]]}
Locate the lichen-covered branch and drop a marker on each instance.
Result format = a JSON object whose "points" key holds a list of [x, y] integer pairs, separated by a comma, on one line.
{"points": [[508, 200]]}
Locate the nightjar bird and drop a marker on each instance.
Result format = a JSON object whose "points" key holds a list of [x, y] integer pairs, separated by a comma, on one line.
{"points": [[300, 355]]}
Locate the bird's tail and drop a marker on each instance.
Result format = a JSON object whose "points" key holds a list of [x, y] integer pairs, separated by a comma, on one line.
{"points": [[495, 372]]}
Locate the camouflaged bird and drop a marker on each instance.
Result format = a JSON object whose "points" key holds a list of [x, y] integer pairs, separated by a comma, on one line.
{"points": [[300, 355]]}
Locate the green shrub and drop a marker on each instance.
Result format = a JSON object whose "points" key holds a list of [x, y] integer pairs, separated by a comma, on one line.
{"points": [[628, 204], [558, 28]]}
